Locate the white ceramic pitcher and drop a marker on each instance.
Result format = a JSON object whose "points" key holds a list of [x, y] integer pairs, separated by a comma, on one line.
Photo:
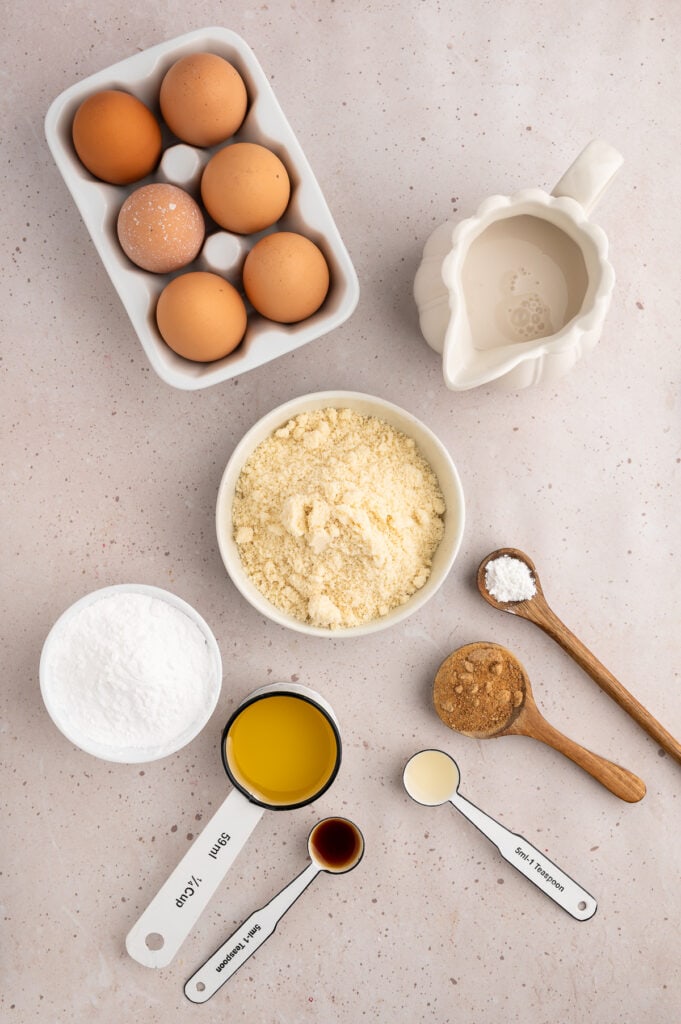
{"points": [[519, 292]]}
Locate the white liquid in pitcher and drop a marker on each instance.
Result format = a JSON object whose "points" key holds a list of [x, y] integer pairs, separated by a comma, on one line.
{"points": [[523, 278]]}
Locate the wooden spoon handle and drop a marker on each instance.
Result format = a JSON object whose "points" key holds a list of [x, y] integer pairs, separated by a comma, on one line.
{"points": [[547, 620], [619, 781]]}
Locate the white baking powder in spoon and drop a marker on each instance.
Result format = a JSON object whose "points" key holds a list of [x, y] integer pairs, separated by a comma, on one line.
{"points": [[130, 671], [509, 579]]}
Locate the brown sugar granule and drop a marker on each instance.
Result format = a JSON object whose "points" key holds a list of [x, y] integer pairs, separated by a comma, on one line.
{"points": [[478, 688]]}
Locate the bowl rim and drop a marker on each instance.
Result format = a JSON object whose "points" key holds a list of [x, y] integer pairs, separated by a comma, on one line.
{"points": [[130, 755], [367, 404]]}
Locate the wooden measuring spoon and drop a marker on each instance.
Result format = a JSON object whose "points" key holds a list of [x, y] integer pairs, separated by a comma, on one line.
{"points": [[536, 609], [481, 690]]}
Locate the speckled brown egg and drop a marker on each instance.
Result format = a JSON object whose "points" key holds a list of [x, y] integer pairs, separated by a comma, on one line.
{"points": [[201, 316], [245, 187], [160, 228], [203, 99], [116, 137], [286, 277]]}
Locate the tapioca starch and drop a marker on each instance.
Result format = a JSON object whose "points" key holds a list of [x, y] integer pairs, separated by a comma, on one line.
{"points": [[130, 670]]}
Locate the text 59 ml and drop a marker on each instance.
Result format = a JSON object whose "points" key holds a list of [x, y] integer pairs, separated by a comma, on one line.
{"points": [[222, 841]]}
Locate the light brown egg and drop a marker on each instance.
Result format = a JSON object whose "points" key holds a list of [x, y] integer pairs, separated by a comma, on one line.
{"points": [[116, 137], [286, 277], [245, 187], [201, 316], [203, 99], [160, 228]]}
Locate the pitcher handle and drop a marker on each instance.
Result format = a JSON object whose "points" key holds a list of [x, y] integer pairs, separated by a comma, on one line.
{"points": [[591, 173]]}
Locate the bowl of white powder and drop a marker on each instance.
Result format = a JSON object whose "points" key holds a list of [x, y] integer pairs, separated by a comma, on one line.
{"points": [[130, 673], [339, 514]]}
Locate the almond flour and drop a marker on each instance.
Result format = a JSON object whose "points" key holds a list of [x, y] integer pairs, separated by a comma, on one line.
{"points": [[336, 517]]}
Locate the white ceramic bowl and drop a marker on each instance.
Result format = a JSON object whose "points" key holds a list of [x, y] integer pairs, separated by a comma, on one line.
{"points": [[223, 253], [59, 710], [430, 447]]}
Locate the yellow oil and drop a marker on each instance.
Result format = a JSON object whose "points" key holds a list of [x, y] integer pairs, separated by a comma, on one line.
{"points": [[282, 749]]}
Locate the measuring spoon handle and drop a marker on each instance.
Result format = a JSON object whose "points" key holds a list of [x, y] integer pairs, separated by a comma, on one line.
{"points": [[544, 617], [618, 780], [243, 943], [530, 862], [158, 934]]}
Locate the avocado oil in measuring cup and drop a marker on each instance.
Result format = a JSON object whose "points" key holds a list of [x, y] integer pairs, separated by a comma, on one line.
{"points": [[281, 750]]}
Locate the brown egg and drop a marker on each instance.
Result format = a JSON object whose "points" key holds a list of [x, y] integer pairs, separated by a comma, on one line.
{"points": [[285, 277], [116, 137], [160, 228], [201, 316], [245, 187], [203, 99]]}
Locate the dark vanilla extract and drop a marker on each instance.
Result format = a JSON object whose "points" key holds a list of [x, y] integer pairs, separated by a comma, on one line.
{"points": [[337, 844]]}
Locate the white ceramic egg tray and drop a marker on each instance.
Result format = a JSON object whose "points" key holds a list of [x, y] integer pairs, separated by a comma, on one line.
{"points": [[223, 253]]}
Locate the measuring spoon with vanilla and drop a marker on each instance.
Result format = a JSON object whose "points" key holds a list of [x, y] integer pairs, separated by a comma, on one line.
{"points": [[281, 749], [481, 690], [335, 845], [508, 580], [431, 778]]}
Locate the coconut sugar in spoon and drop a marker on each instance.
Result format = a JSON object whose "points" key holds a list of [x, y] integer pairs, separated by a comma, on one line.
{"points": [[513, 586], [481, 690]]}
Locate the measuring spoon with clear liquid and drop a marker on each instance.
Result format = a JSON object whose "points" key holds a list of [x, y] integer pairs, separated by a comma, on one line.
{"points": [[281, 749], [432, 777], [335, 845]]}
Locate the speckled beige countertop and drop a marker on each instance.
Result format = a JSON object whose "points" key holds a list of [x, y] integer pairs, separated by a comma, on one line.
{"points": [[410, 113]]}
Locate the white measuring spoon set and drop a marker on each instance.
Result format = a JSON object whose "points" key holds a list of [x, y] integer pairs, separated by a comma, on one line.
{"points": [[335, 845]]}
